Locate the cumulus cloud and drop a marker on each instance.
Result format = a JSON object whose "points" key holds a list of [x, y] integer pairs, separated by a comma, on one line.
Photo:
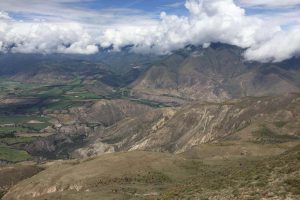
{"points": [[4, 16], [208, 21], [282, 46], [212, 21], [45, 38]]}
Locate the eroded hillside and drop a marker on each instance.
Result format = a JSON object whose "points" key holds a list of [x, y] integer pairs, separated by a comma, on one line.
{"points": [[255, 120]]}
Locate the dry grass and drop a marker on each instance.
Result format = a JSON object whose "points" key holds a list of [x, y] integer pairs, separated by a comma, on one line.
{"points": [[148, 175]]}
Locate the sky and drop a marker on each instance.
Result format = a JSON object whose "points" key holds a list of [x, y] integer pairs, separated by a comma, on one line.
{"points": [[269, 30]]}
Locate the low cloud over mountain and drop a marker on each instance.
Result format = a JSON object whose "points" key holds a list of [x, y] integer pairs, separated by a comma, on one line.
{"points": [[207, 21]]}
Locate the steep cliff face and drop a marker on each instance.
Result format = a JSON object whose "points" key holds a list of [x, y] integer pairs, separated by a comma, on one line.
{"points": [[178, 130]]}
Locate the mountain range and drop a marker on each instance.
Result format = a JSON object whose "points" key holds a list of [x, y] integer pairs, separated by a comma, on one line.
{"points": [[123, 125]]}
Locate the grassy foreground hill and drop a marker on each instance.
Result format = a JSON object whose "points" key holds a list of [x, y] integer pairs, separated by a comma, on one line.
{"points": [[146, 175]]}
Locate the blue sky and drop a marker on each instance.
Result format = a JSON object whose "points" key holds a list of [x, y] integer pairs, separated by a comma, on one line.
{"points": [[146, 5], [76, 10], [174, 6], [149, 7], [38, 9]]}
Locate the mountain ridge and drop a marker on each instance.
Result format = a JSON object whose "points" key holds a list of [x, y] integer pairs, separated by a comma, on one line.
{"points": [[215, 73]]}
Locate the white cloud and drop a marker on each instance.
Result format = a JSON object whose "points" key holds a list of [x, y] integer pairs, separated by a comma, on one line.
{"points": [[208, 21], [45, 38], [269, 3], [4, 16], [174, 5], [214, 21], [282, 46]]}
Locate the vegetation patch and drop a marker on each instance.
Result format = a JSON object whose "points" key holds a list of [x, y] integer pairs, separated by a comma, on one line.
{"points": [[242, 179], [149, 103], [293, 185], [23, 123], [5, 134], [12, 129], [19, 119], [62, 105], [280, 124], [17, 140], [12, 155]]}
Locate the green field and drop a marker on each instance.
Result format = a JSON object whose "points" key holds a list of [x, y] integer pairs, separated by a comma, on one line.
{"points": [[12, 155], [20, 119], [9, 87], [10, 145], [149, 103], [68, 95], [21, 123], [16, 140], [4, 130]]}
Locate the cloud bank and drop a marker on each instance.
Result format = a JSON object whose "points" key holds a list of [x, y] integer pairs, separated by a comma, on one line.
{"points": [[283, 45], [45, 38], [208, 21]]}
